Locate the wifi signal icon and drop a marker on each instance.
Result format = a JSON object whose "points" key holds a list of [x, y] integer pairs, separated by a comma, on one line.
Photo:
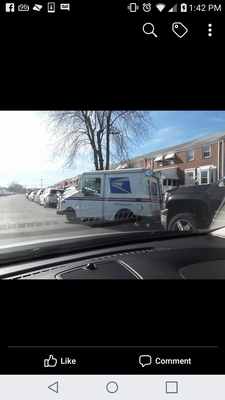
{"points": [[160, 6]]}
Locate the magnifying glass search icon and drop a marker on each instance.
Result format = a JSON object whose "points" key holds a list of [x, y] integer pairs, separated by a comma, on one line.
{"points": [[148, 28]]}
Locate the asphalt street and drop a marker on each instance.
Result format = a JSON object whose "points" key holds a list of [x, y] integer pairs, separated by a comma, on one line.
{"points": [[24, 221]]}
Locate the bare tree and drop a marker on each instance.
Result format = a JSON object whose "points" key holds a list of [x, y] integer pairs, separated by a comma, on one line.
{"points": [[109, 134], [16, 187]]}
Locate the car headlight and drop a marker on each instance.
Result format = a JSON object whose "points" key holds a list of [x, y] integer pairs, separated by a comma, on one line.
{"points": [[164, 200]]}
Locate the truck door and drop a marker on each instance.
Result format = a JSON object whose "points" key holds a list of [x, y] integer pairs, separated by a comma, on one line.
{"points": [[92, 202], [155, 196]]}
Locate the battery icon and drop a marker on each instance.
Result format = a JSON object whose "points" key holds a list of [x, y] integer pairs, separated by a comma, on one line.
{"points": [[183, 7]]}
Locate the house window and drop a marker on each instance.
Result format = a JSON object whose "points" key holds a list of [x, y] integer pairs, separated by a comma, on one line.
{"points": [[190, 155], [164, 182], [171, 161], [159, 163], [137, 165], [204, 177], [169, 182], [206, 151], [174, 183]]}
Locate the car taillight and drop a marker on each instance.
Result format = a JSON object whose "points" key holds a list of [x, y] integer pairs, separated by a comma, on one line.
{"points": [[50, 195]]}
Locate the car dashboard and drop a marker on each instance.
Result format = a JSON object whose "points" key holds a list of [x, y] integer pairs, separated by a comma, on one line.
{"points": [[194, 257]]}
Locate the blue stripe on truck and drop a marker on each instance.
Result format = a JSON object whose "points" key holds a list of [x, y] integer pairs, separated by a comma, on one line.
{"points": [[114, 199]]}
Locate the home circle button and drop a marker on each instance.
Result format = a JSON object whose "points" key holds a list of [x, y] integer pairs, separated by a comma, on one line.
{"points": [[112, 387]]}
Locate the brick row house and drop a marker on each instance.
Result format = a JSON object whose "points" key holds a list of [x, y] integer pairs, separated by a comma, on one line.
{"points": [[200, 161], [67, 182]]}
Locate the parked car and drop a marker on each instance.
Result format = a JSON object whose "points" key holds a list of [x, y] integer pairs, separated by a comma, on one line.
{"points": [[28, 192], [37, 195], [193, 207], [31, 196], [49, 197]]}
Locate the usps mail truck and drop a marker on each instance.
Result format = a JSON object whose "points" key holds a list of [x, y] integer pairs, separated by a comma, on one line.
{"points": [[114, 195]]}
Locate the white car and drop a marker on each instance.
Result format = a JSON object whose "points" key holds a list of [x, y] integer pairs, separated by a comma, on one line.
{"points": [[28, 194], [49, 197], [39, 192], [31, 196]]}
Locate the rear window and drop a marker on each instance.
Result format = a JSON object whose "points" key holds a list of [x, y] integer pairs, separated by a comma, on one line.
{"points": [[53, 191]]}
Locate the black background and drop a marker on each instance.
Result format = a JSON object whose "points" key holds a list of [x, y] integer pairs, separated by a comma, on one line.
{"points": [[96, 62], [98, 55]]}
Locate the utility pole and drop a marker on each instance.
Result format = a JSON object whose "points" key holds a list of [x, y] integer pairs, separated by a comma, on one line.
{"points": [[41, 183]]}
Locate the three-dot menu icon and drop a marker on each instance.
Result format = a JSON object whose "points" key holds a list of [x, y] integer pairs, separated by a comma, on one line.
{"points": [[209, 29]]}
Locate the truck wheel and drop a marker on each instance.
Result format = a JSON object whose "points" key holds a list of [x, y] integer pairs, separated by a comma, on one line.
{"points": [[124, 214], [183, 222], [71, 216]]}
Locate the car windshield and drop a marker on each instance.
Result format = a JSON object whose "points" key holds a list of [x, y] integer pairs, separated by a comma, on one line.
{"points": [[101, 172]]}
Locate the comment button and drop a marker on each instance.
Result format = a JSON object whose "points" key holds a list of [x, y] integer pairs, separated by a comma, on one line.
{"points": [[145, 360]]}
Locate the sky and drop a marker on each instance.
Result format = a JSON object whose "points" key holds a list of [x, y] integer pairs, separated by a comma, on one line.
{"points": [[26, 143]]}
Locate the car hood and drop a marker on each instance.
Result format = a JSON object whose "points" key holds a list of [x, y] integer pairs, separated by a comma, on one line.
{"points": [[190, 189], [70, 195]]}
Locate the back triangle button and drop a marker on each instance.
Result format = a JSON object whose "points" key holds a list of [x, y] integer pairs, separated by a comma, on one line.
{"points": [[54, 387]]}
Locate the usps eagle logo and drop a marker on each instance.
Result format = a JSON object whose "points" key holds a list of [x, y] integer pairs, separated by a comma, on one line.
{"points": [[120, 185]]}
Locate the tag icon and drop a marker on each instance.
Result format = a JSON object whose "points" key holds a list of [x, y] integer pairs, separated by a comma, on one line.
{"points": [[179, 29]]}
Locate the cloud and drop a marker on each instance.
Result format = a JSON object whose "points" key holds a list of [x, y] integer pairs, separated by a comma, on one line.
{"points": [[162, 131], [207, 128], [217, 119], [162, 135]]}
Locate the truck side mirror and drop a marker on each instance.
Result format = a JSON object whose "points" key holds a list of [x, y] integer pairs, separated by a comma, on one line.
{"points": [[149, 172]]}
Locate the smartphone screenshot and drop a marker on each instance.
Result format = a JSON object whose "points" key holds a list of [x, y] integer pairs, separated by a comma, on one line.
{"points": [[105, 372], [112, 260]]}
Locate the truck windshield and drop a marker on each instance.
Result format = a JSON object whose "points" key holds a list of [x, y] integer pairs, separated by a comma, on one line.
{"points": [[78, 184]]}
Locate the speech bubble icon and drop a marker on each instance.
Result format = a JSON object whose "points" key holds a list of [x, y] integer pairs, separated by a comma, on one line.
{"points": [[145, 360], [65, 6]]}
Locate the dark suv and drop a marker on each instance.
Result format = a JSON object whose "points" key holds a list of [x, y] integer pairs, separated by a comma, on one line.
{"points": [[194, 207]]}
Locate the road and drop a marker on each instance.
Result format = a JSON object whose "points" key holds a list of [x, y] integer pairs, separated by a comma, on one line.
{"points": [[24, 221]]}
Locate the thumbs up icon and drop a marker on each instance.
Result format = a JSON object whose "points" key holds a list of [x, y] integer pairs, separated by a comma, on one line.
{"points": [[50, 362]]}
